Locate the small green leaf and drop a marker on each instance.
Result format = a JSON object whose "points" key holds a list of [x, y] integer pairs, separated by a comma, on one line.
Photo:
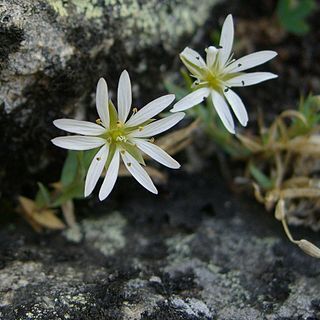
{"points": [[70, 168], [260, 177], [43, 196], [293, 13]]}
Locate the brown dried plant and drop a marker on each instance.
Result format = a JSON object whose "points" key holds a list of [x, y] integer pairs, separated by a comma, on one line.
{"points": [[284, 161]]}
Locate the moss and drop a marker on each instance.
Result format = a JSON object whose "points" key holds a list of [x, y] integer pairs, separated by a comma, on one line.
{"points": [[137, 18], [90, 9]]}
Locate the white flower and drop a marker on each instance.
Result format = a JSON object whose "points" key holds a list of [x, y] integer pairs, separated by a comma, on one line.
{"points": [[219, 73], [119, 138]]}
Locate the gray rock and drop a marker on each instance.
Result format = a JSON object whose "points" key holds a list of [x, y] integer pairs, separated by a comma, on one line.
{"points": [[215, 256], [53, 52]]}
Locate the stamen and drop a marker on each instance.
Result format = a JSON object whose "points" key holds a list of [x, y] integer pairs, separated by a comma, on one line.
{"points": [[152, 140], [239, 65], [98, 158], [140, 128], [134, 110], [129, 164], [226, 89], [98, 121], [122, 151], [219, 47], [242, 82], [118, 124]]}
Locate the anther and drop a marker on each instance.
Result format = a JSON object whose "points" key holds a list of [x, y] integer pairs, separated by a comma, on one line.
{"points": [[152, 140], [226, 89], [239, 64], [140, 128], [242, 82], [129, 164], [122, 151], [98, 121], [134, 110], [219, 47], [98, 158], [198, 58]]}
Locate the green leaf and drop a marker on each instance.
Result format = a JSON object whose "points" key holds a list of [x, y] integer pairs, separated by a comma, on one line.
{"points": [[70, 168], [43, 198], [260, 177], [293, 13]]}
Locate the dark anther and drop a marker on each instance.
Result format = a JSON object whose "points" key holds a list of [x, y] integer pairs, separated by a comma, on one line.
{"points": [[226, 89], [219, 47], [198, 58], [239, 64], [242, 82]]}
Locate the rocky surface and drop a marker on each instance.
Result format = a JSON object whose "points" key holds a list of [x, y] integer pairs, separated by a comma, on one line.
{"points": [[53, 52], [195, 252]]}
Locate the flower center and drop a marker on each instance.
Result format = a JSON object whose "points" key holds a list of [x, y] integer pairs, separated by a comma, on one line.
{"points": [[213, 80], [117, 135]]}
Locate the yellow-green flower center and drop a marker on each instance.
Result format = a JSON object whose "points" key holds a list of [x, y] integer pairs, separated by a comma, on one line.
{"points": [[213, 80]]}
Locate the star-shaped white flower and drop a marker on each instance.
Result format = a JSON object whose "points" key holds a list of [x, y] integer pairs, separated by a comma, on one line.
{"points": [[119, 138], [219, 73]]}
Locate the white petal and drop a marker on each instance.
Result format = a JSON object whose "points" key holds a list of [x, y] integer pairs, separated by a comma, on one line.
{"points": [[211, 55], [95, 169], [191, 99], [193, 57], [102, 102], [78, 142], [250, 61], [80, 127], [124, 96], [223, 111], [249, 79], [156, 153], [158, 126], [237, 106], [226, 40], [138, 172], [150, 110], [111, 176]]}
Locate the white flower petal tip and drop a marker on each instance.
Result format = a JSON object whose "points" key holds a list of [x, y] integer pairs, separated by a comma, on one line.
{"points": [[158, 126], [79, 127], [226, 39], [192, 99], [102, 101], [110, 177], [78, 142], [95, 170], [134, 167], [124, 96], [156, 153], [150, 110], [223, 111]]}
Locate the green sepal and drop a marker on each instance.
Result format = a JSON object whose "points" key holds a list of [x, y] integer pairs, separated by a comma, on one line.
{"points": [[113, 115], [134, 151]]}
